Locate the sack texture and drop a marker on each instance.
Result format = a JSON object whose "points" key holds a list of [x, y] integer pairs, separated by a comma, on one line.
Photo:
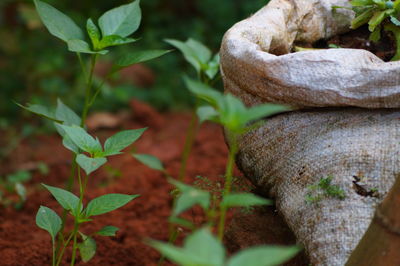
{"points": [[258, 66], [353, 138]]}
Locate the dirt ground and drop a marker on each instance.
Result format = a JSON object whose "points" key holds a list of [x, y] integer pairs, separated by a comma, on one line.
{"points": [[23, 243]]}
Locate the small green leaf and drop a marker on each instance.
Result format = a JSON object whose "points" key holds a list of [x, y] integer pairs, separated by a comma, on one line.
{"points": [[82, 139], [123, 20], [244, 200], [362, 19], [204, 92], [87, 248], [58, 24], [94, 33], [263, 256], [40, 110], [21, 191], [108, 230], [67, 200], [150, 161], [181, 222], [19, 177], [65, 114], [139, 57], [394, 20], [48, 220], [90, 164], [207, 113], [376, 19], [213, 67], [121, 140], [80, 46], [200, 248], [108, 203], [70, 145], [189, 197], [114, 40], [194, 52], [263, 110]]}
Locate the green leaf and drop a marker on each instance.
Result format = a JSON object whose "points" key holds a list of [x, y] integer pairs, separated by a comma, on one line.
{"points": [[375, 36], [21, 191], [20, 176], [58, 24], [204, 92], [94, 33], [81, 46], [189, 197], [150, 161], [213, 67], [263, 110], [122, 21], [87, 248], [263, 256], [200, 248], [108, 230], [82, 139], [40, 110], [207, 113], [70, 145], [244, 200], [139, 57], [48, 220], [67, 200], [107, 203], [90, 164], [376, 19], [66, 114], [362, 19], [181, 222], [194, 52], [114, 40], [121, 140], [394, 20]]}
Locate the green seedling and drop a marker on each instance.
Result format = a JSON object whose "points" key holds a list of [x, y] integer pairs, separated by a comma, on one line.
{"points": [[202, 248], [324, 189], [379, 15], [236, 118], [14, 184], [207, 68], [113, 28]]}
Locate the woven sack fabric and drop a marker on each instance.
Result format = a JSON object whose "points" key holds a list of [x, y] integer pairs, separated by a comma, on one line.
{"points": [[345, 125]]}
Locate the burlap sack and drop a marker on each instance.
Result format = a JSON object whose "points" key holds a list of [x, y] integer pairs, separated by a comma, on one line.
{"points": [[358, 147]]}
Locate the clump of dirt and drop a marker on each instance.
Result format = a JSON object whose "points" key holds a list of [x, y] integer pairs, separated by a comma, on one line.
{"points": [[23, 243]]}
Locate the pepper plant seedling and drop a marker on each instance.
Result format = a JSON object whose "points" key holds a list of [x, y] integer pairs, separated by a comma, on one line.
{"points": [[113, 28], [379, 15]]}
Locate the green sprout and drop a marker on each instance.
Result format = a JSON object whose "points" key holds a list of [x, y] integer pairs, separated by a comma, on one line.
{"points": [[379, 15], [324, 189], [112, 29]]}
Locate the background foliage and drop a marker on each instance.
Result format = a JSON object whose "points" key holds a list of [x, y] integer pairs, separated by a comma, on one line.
{"points": [[35, 67]]}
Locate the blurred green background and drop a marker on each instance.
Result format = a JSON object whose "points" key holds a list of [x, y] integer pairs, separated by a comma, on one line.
{"points": [[36, 67]]}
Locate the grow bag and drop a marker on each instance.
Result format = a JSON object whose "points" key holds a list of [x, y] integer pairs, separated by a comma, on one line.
{"points": [[351, 137]]}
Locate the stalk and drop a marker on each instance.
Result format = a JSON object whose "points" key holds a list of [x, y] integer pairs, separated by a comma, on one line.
{"points": [[396, 33], [228, 183], [87, 104], [190, 137]]}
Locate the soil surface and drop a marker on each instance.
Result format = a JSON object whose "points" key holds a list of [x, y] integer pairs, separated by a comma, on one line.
{"points": [[23, 243], [359, 39]]}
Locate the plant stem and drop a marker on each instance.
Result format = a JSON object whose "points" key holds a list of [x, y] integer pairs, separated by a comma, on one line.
{"points": [[228, 182], [53, 262], [63, 249], [88, 90], [190, 136]]}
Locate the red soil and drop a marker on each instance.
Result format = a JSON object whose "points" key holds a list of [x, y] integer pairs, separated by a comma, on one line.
{"points": [[23, 243]]}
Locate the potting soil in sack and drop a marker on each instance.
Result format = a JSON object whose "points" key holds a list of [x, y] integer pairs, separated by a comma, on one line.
{"points": [[329, 162]]}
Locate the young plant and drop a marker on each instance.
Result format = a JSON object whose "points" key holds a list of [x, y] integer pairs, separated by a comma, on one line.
{"points": [[202, 248], [207, 67], [379, 15], [113, 29], [235, 117], [324, 189], [14, 184]]}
